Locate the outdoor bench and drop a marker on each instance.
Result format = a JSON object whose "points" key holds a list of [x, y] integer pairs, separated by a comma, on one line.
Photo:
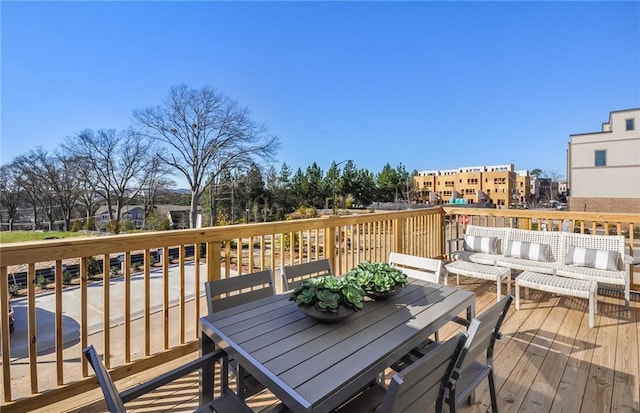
{"points": [[559, 285], [599, 258]]}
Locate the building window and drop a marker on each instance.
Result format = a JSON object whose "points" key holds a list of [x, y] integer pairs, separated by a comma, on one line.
{"points": [[601, 158], [629, 124]]}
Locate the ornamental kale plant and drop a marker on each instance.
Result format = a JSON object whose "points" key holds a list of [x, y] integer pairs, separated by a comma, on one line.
{"points": [[377, 277], [327, 293]]}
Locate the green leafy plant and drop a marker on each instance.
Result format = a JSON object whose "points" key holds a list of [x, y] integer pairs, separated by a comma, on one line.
{"points": [[66, 277], [41, 282], [377, 277], [14, 290], [327, 293], [93, 267]]}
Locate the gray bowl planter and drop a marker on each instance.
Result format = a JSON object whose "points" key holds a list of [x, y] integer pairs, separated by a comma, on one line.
{"points": [[328, 298]]}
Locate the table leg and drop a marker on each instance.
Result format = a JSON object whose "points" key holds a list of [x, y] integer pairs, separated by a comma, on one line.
{"points": [[471, 313], [207, 372]]}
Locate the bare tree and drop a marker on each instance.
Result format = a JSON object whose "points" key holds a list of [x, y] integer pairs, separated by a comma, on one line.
{"points": [[204, 134], [88, 196], [30, 180], [119, 162], [155, 182], [555, 176], [10, 193]]}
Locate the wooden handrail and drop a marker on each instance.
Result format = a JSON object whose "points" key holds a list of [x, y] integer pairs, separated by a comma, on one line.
{"points": [[239, 249]]}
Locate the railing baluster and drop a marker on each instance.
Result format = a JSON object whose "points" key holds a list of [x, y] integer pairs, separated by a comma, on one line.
{"points": [[58, 323], [4, 333], [31, 326], [147, 302], [183, 314], [127, 306], [196, 268], [84, 339]]}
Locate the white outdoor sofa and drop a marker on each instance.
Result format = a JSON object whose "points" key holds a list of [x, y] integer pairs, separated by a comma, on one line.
{"points": [[599, 258]]}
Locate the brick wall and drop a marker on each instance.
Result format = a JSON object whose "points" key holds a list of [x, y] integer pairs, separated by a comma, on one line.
{"points": [[624, 205]]}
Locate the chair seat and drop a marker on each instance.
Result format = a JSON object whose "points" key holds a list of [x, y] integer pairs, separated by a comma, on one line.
{"points": [[227, 403], [469, 379], [367, 400]]}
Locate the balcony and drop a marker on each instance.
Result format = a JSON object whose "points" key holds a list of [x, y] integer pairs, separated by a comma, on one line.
{"points": [[548, 359]]}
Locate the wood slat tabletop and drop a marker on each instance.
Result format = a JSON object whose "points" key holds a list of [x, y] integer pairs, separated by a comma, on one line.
{"points": [[313, 366]]}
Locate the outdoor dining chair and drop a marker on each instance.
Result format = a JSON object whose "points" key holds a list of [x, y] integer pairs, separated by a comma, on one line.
{"points": [[421, 268], [230, 292], [227, 402], [418, 388], [294, 275], [476, 364]]}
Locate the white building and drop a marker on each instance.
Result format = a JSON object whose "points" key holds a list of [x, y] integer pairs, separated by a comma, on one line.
{"points": [[603, 168]]}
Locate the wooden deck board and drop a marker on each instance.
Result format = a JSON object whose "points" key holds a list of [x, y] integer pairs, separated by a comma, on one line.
{"points": [[548, 360]]}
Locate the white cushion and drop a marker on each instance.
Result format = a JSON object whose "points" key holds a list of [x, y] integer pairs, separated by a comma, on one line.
{"points": [[485, 245], [592, 258], [527, 250]]}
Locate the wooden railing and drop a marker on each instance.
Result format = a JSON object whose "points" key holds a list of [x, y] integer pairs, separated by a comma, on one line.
{"points": [[142, 317], [149, 315]]}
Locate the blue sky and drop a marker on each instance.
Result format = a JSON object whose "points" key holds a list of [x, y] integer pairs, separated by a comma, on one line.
{"points": [[434, 85]]}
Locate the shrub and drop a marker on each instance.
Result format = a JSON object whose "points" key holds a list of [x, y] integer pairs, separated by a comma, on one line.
{"points": [[127, 225], [77, 225], [93, 267], [113, 227], [156, 222], [91, 224], [41, 282], [66, 277], [14, 290]]}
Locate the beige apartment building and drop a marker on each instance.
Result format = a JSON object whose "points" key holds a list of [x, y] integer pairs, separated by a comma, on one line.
{"points": [[499, 185], [604, 167]]}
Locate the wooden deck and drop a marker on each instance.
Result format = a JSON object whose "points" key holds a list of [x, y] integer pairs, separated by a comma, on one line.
{"points": [[548, 360]]}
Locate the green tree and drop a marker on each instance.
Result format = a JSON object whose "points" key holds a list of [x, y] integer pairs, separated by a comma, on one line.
{"points": [[299, 188], [387, 181], [316, 191]]}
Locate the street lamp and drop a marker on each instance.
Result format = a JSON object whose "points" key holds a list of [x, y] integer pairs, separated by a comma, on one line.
{"points": [[335, 179]]}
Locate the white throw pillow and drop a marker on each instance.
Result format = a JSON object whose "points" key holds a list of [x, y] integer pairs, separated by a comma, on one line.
{"points": [[593, 258], [485, 245], [527, 250]]}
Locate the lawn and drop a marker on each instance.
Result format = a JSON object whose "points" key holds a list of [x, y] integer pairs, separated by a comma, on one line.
{"points": [[7, 237]]}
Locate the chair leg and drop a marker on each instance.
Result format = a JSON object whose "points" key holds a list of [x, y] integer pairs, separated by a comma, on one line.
{"points": [[517, 287], [492, 392]]}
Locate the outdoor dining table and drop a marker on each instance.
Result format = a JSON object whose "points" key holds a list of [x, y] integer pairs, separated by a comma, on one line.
{"points": [[313, 366]]}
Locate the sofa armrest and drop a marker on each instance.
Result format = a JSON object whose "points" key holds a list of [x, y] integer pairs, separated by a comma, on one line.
{"points": [[453, 248], [627, 259]]}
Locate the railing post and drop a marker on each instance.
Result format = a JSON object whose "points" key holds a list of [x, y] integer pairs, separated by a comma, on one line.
{"points": [[398, 234], [214, 260], [330, 245]]}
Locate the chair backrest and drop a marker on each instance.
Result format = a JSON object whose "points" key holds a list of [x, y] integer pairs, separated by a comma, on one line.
{"points": [[241, 289], [111, 395], [293, 275], [488, 331], [421, 268], [421, 386]]}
